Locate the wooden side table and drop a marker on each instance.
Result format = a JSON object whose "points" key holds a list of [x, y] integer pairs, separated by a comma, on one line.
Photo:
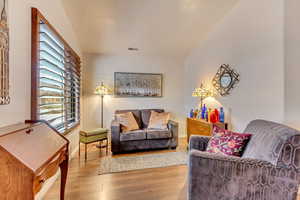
{"points": [[201, 127]]}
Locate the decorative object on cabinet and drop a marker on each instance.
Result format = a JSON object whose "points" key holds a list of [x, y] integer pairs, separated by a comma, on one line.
{"points": [[102, 90], [202, 127], [97, 135], [31, 153], [214, 116], [208, 114], [138, 84], [203, 112], [4, 59], [203, 93], [191, 114], [222, 115], [225, 80]]}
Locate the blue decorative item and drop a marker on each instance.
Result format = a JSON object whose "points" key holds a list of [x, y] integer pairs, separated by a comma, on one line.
{"points": [[192, 113], [199, 114], [206, 115], [203, 112], [222, 115]]}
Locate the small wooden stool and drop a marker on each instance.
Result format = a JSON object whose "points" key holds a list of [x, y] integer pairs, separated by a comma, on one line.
{"points": [[92, 136]]}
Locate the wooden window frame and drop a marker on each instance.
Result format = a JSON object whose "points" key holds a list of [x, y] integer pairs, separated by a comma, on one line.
{"points": [[36, 17]]}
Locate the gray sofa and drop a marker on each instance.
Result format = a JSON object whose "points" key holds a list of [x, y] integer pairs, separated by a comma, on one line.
{"points": [[268, 169], [143, 139]]}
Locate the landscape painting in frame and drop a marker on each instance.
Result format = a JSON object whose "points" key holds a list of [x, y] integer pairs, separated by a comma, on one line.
{"points": [[138, 84], [4, 55]]}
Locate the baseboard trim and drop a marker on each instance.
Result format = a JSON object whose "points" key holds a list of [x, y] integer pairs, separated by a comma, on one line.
{"points": [[73, 154]]}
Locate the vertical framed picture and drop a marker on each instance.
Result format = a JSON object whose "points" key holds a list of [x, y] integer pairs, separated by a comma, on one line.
{"points": [[138, 84], [4, 55]]}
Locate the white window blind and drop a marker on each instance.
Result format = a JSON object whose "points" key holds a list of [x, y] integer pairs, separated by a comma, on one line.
{"points": [[58, 84]]}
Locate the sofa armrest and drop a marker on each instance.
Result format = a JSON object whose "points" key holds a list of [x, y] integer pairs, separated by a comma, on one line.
{"points": [[198, 142], [173, 127], [214, 177], [115, 136], [173, 123]]}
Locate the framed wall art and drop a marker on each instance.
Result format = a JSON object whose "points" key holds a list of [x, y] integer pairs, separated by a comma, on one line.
{"points": [[138, 84], [225, 80], [4, 55]]}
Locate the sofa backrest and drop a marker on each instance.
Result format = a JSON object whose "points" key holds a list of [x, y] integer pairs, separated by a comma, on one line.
{"points": [[136, 114], [146, 113], [273, 142]]}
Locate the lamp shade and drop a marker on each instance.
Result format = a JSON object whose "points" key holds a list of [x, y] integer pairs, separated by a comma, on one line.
{"points": [[102, 90], [202, 92]]}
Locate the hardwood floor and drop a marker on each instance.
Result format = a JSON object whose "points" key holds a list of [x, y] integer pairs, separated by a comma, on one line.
{"points": [[151, 184], [84, 183]]}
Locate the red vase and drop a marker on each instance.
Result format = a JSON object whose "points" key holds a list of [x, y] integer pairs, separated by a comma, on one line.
{"points": [[217, 113], [213, 117]]}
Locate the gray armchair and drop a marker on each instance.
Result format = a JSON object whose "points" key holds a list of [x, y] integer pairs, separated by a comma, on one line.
{"points": [[268, 169], [143, 139]]}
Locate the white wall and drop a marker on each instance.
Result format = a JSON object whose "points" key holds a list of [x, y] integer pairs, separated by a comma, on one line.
{"points": [[251, 39], [19, 13], [20, 52], [99, 68], [292, 60]]}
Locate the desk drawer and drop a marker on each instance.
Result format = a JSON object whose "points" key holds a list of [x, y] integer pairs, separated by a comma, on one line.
{"points": [[48, 171]]}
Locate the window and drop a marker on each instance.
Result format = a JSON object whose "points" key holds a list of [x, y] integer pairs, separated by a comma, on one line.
{"points": [[55, 77]]}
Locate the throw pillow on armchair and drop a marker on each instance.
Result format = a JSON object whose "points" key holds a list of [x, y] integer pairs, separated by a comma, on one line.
{"points": [[227, 142]]}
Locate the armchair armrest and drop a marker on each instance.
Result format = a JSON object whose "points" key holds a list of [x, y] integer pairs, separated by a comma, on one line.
{"points": [[198, 142], [115, 136], [173, 127], [217, 177]]}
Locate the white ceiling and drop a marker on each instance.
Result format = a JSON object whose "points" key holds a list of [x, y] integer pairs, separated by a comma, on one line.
{"points": [[154, 26]]}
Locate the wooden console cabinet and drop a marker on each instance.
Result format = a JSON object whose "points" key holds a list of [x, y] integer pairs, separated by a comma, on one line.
{"points": [[30, 153], [201, 127]]}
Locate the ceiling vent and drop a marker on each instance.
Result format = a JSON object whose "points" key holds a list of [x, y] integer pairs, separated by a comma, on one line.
{"points": [[132, 49]]}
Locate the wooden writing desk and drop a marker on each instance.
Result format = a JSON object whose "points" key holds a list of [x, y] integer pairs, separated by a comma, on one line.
{"points": [[30, 154]]}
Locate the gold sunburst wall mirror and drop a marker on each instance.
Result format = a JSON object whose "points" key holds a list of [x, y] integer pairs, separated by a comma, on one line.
{"points": [[4, 58], [225, 80]]}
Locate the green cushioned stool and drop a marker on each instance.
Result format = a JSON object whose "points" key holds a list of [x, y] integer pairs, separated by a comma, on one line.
{"points": [[92, 136]]}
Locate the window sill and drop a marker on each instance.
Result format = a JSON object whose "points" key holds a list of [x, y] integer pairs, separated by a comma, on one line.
{"points": [[68, 131]]}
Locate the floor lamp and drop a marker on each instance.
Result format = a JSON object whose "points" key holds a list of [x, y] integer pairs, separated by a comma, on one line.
{"points": [[102, 90]]}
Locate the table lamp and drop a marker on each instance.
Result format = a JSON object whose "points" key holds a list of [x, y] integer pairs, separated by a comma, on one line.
{"points": [[203, 93]]}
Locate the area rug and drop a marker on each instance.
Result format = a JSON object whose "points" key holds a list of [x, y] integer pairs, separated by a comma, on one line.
{"points": [[130, 163]]}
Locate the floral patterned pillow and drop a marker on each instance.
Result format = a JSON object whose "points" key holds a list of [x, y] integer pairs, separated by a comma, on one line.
{"points": [[227, 143]]}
